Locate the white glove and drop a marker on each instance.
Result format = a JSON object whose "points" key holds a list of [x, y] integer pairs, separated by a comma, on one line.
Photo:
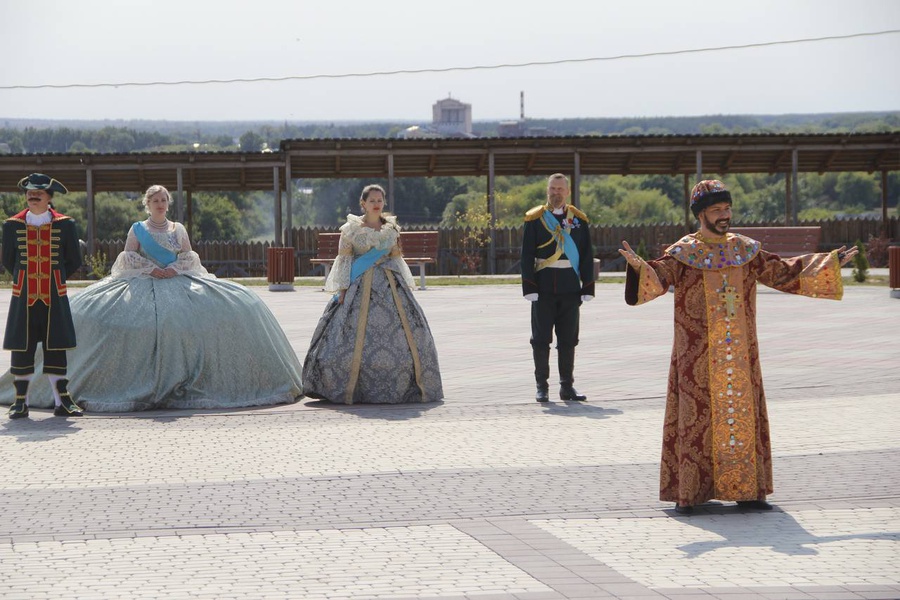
{"points": [[587, 298], [531, 297]]}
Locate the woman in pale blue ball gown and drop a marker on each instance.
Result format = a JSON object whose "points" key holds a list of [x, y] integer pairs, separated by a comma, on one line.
{"points": [[161, 332], [373, 344]]}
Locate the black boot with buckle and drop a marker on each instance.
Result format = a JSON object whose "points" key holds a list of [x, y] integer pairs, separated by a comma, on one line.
{"points": [[19, 408], [67, 407]]}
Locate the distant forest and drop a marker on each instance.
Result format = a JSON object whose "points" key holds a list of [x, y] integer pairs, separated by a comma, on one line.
{"points": [[29, 135], [449, 201]]}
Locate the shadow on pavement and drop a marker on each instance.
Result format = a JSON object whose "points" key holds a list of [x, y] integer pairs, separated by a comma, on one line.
{"points": [[578, 409], [387, 412], [38, 430], [790, 537]]}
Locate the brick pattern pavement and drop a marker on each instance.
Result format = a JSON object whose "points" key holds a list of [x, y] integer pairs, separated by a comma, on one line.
{"points": [[485, 495]]}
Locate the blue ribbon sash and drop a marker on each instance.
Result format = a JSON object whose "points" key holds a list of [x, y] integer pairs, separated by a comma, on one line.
{"points": [[151, 247], [562, 235], [362, 264], [365, 262]]}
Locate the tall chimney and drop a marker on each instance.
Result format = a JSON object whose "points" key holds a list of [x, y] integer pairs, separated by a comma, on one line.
{"points": [[522, 106]]}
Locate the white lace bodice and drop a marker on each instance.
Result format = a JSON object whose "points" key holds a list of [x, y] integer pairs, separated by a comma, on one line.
{"points": [[356, 240], [132, 262]]}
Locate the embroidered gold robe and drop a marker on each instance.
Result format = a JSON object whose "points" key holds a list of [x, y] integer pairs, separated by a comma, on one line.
{"points": [[716, 431]]}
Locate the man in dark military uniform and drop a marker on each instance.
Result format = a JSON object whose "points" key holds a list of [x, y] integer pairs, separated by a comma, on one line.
{"points": [[40, 251], [557, 276]]}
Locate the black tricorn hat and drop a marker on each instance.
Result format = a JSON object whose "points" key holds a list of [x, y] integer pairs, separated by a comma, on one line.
{"points": [[39, 181]]}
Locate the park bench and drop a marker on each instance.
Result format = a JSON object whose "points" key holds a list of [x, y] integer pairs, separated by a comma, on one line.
{"points": [[420, 248]]}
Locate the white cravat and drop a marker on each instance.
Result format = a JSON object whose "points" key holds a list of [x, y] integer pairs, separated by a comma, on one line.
{"points": [[38, 220]]}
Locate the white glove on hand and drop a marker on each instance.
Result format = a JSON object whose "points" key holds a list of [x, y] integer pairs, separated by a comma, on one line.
{"points": [[587, 298], [531, 297]]}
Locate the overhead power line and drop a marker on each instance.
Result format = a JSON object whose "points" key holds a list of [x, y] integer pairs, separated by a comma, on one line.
{"points": [[566, 61]]}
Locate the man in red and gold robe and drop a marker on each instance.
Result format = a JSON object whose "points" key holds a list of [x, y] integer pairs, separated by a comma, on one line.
{"points": [[716, 431], [40, 251]]}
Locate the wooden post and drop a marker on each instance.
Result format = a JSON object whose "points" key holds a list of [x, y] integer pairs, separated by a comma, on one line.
{"points": [[89, 226], [189, 208], [289, 200], [688, 221], [277, 187], [885, 229], [179, 198], [795, 187], [576, 181], [389, 201], [787, 199], [492, 249], [699, 165]]}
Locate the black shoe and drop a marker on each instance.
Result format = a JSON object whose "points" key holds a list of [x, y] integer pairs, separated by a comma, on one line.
{"points": [[567, 392], [18, 410], [754, 505], [685, 509], [542, 394], [68, 408]]}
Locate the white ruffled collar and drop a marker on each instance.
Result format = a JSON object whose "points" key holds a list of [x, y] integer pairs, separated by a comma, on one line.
{"points": [[356, 222]]}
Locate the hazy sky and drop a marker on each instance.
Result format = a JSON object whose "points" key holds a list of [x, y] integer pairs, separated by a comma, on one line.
{"points": [[115, 41]]}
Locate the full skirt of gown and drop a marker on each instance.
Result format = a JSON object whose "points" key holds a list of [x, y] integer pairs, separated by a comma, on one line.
{"points": [[362, 353], [186, 342]]}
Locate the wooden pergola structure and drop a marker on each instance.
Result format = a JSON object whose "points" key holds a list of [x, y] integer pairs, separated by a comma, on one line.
{"points": [[690, 156]]}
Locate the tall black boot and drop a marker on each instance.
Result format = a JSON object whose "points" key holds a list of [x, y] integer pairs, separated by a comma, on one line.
{"points": [[566, 375], [541, 355], [67, 407], [19, 408]]}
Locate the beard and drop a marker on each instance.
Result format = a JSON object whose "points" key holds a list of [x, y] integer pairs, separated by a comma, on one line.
{"points": [[556, 200], [719, 227]]}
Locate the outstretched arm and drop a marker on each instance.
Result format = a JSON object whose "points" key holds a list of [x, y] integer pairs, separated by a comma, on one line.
{"points": [[644, 280], [814, 275]]}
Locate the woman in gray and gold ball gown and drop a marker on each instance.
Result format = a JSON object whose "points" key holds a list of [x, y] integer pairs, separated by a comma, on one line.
{"points": [[161, 332], [372, 344]]}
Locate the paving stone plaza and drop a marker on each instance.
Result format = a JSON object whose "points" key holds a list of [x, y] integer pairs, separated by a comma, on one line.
{"points": [[486, 495]]}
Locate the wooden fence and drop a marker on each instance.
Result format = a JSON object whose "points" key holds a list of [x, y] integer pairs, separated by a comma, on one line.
{"points": [[248, 259]]}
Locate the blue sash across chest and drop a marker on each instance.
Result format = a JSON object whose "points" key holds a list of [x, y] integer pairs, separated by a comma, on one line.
{"points": [[564, 238], [151, 248], [365, 262]]}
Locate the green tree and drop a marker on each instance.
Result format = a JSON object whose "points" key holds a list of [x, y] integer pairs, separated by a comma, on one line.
{"points": [[217, 218], [251, 142], [646, 206], [857, 189]]}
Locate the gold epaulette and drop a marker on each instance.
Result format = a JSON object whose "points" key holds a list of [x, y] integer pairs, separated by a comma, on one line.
{"points": [[579, 214], [535, 213]]}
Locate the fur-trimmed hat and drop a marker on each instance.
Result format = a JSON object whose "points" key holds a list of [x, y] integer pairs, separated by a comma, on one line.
{"points": [[39, 181], [706, 193]]}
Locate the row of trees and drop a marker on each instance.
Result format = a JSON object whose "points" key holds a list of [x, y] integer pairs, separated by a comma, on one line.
{"points": [[168, 136]]}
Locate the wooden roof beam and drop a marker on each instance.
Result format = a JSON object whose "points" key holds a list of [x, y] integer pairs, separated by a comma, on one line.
{"points": [[876, 164], [782, 156], [726, 164], [432, 163], [829, 160]]}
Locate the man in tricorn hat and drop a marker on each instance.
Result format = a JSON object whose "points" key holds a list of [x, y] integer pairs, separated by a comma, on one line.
{"points": [[716, 430], [40, 251]]}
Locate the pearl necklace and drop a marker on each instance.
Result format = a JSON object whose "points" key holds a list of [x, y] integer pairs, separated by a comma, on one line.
{"points": [[163, 227]]}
